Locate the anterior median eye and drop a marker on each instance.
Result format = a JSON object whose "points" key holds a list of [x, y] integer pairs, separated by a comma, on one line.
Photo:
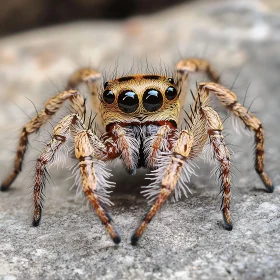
{"points": [[128, 101], [108, 96], [152, 100], [171, 93]]}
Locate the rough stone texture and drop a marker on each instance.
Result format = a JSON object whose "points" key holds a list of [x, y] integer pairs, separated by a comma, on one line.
{"points": [[186, 240]]}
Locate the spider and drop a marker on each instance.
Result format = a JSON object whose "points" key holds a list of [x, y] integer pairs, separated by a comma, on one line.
{"points": [[140, 114]]}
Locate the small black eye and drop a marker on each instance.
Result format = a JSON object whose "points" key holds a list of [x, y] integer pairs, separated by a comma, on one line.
{"points": [[108, 96], [152, 100], [171, 93], [128, 101], [171, 80], [106, 84]]}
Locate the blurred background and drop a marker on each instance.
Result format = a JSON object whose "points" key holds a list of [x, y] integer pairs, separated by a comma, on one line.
{"points": [[19, 15]]}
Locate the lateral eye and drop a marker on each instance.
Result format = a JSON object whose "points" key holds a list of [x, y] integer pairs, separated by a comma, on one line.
{"points": [[128, 101], [171, 93], [171, 80], [105, 84], [108, 96], [152, 100]]}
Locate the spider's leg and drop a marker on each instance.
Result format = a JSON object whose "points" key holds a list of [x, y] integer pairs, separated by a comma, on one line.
{"points": [[51, 107], [190, 66], [193, 65], [169, 181], [84, 151], [92, 79], [60, 134], [229, 99], [87, 145], [214, 128]]}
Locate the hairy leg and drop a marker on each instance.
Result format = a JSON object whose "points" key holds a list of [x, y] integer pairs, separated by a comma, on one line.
{"points": [[86, 146], [84, 152], [229, 100], [190, 66], [169, 181], [92, 79], [214, 128], [51, 107], [193, 65], [60, 134]]}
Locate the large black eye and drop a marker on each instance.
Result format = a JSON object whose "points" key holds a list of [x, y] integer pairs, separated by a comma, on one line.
{"points": [[171, 93], [128, 101], [152, 100], [108, 96]]}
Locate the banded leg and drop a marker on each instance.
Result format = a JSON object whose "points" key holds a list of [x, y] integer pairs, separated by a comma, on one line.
{"points": [[214, 128], [84, 152], [192, 65], [86, 145], [60, 134], [91, 77], [51, 107], [169, 181], [229, 100]]}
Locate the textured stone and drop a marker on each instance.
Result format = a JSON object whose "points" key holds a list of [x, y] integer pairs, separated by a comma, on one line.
{"points": [[185, 240]]}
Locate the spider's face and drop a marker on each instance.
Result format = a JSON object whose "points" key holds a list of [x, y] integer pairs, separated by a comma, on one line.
{"points": [[140, 99]]}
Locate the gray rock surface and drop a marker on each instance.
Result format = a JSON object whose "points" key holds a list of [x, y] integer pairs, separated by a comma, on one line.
{"points": [[186, 240]]}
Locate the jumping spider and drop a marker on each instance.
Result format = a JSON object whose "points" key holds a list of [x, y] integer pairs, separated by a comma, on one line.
{"points": [[140, 114]]}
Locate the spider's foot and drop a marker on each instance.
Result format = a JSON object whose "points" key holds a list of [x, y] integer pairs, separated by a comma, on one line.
{"points": [[117, 239], [134, 239], [36, 223], [37, 217], [114, 233], [266, 181], [4, 188], [227, 219], [270, 189]]}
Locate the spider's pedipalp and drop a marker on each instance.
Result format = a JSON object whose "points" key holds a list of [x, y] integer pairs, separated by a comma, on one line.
{"points": [[60, 135]]}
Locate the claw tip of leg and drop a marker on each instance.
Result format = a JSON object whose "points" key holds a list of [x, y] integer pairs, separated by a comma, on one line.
{"points": [[3, 188], [134, 239], [35, 223], [117, 239], [228, 227], [270, 189]]}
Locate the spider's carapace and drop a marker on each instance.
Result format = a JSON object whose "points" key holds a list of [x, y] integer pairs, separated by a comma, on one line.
{"points": [[140, 115]]}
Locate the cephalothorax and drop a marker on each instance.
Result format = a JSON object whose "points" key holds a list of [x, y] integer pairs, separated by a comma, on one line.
{"points": [[140, 114]]}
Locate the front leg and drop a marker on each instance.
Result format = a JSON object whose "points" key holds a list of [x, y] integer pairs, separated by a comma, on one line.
{"points": [[172, 173], [92, 183], [88, 150]]}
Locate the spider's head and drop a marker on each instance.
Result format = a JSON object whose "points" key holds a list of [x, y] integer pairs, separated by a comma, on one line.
{"points": [[140, 99]]}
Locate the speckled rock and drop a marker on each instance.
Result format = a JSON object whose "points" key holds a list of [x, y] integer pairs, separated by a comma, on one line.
{"points": [[186, 240]]}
